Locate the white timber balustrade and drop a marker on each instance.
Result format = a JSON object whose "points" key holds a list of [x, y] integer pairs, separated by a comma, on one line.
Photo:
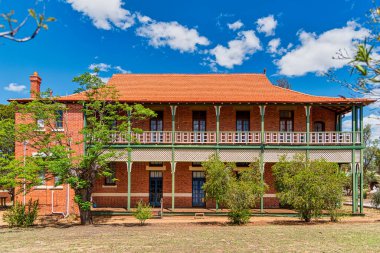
{"points": [[240, 137], [237, 137]]}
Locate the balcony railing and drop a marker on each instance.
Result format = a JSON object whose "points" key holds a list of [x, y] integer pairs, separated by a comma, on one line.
{"points": [[241, 138]]}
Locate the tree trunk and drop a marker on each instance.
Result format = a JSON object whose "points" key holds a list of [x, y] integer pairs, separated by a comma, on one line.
{"points": [[84, 211]]}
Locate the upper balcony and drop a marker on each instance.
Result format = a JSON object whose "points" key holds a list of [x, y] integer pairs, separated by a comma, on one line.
{"points": [[239, 138]]}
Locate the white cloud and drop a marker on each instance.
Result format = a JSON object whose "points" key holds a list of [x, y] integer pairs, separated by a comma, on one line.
{"points": [[274, 47], [104, 14], [172, 34], [372, 119], [121, 70], [266, 25], [235, 26], [101, 66], [15, 87], [237, 51], [315, 54], [143, 19]]}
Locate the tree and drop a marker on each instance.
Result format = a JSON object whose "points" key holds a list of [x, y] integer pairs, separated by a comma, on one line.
{"points": [[10, 27], [104, 116], [218, 176], [310, 186], [283, 83], [243, 193], [365, 62]]}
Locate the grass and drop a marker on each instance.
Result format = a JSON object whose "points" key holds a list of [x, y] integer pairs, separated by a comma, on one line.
{"points": [[285, 236]]}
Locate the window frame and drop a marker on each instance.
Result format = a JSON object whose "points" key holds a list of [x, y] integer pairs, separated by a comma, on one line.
{"points": [[111, 180], [322, 124], [291, 118], [240, 116]]}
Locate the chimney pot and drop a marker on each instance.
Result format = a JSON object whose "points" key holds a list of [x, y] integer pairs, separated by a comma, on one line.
{"points": [[35, 85]]}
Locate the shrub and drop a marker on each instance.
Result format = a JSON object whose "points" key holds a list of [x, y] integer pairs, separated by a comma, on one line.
{"points": [[143, 212], [310, 186], [375, 201], [21, 215]]}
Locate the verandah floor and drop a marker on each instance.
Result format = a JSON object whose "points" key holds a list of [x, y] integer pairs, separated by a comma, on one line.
{"points": [[189, 211]]}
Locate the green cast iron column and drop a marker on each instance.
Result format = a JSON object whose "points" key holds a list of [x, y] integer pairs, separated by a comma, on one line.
{"points": [[217, 111], [361, 160], [307, 130], [129, 163], [353, 167], [262, 168], [173, 163]]}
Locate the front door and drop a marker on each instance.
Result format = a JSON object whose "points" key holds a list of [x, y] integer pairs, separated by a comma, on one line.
{"points": [[198, 193], [155, 188]]}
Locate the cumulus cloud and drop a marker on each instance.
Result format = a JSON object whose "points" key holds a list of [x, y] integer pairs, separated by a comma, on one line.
{"points": [[274, 47], [104, 67], [266, 25], [235, 26], [237, 51], [315, 53], [104, 14], [14, 87], [101, 66], [173, 35], [372, 119]]}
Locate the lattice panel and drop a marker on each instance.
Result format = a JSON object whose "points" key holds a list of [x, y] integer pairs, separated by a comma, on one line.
{"points": [[193, 155], [340, 156], [152, 155], [273, 155], [238, 155]]}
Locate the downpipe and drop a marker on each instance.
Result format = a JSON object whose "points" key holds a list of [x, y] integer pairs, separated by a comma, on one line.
{"points": [[65, 215]]}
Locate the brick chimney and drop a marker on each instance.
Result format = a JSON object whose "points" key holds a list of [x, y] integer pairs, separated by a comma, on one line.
{"points": [[35, 85]]}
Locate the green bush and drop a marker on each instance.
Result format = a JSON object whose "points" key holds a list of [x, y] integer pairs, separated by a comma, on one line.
{"points": [[143, 212], [310, 186], [21, 215], [375, 201]]}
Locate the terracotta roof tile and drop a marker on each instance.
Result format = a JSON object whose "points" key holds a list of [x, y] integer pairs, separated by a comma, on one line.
{"points": [[207, 88]]}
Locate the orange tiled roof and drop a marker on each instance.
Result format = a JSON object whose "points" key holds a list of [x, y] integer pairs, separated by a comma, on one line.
{"points": [[207, 88]]}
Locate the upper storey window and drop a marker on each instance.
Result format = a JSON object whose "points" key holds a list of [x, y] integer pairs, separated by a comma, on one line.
{"points": [[242, 120], [319, 126], [286, 121], [156, 123], [59, 119], [199, 121]]}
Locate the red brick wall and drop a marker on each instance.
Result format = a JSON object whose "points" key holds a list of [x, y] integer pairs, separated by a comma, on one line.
{"points": [[140, 176]]}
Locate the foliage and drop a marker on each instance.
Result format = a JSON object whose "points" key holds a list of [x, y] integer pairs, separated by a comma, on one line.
{"points": [[375, 201], [10, 26], [21, 215], [283, 83], [218, 177], [309, 186], [143, 212], [57, 156], [239, 193]]}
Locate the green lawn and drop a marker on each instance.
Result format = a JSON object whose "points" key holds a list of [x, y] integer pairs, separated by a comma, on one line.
{"points": [[177, 237]]}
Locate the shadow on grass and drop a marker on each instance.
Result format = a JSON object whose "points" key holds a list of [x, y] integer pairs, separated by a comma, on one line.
{"points": [[298, 222]]}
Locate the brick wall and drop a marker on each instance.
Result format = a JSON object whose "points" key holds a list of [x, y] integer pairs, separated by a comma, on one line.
{"points": [[140, 176]]}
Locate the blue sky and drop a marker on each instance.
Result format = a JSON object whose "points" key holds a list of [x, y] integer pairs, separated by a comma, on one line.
{"points": [[294, 39]]}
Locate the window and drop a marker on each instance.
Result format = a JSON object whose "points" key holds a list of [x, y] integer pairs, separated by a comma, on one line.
{"points": [[156, 126], [156, 164], [199, 125], [110, 180], [42, 177], [242, 120], [286, 121], [319, 126], [196, 164], [156, 123], [40, 123], [199, 121], [59, 119], [242, 164]]}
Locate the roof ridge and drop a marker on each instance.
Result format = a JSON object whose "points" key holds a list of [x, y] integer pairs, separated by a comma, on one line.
{"points": [[188, 74]]}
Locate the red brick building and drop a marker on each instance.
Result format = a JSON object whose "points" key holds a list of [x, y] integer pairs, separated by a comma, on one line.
{"points": [[241, 117]]}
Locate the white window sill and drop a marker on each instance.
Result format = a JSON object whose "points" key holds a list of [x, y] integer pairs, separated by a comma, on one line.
{"points": [[48, 187], [109, 186], [40, 130], [58, 130], [196, 168]]}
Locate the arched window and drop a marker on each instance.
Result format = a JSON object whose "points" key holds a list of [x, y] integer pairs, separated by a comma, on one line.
{"points": [[319, 126]]}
